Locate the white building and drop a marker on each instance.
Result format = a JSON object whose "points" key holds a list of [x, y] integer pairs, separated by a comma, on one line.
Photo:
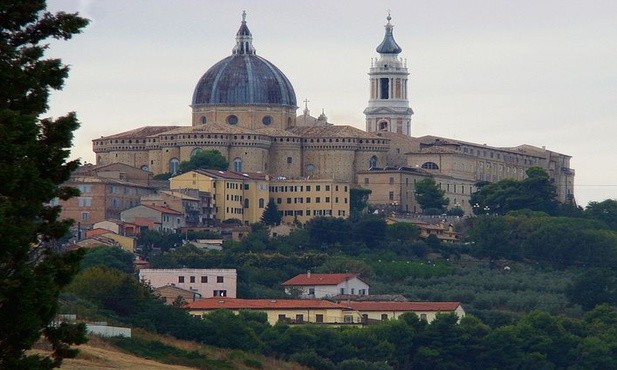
{"points": [[207, 282], [325, 285]]}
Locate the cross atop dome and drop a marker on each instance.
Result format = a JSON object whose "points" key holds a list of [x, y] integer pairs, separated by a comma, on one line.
{"points": [[244, 39]]}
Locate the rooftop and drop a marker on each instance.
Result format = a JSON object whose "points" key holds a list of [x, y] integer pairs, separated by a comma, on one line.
{"points": [[237, 304], [319, 279]]}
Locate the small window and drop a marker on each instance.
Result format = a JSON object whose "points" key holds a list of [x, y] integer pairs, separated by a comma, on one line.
{"points": [[232, 119], [282, 317], [204, 279], [384, 317], [289, 160], [423, 316], [192, 279], [219, 279], [267, 120], [220, 293], [348, 319], [204, 120], [319, 317], [180, 279], [299, 318]]}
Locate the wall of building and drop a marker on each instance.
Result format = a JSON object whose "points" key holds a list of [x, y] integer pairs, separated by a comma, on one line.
{"points": [[206, 282]]}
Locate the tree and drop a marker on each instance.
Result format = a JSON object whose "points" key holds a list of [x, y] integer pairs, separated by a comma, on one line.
{"points": [[595, 286], [209, 159], [271, 215], [33, 164], [605, 211], [358, 201], [535, 193], [430, 197], [112, 257]]}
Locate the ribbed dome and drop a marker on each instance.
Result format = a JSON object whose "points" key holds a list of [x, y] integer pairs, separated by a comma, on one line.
{"points": [[244, 79]]}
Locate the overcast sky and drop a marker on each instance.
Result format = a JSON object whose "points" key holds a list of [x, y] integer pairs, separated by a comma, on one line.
{"points": [[498, 72]]}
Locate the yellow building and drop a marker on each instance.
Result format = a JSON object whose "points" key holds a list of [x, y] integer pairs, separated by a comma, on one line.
{"points": [[302, 200], [235, 195], [382, 311], [292, 311]]}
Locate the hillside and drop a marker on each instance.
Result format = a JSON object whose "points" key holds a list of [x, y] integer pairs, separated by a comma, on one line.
{"points": [[99, 353]]}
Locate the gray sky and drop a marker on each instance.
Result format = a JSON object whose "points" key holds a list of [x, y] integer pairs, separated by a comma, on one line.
{"points": [[488, 71]]}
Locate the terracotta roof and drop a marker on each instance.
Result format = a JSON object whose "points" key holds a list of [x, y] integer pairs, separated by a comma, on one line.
{"points": [[319, 279], [140, 132], [238, 304], [231, 175], [333, 131], [271, 131], [166, 210], [403, 306], [211, 128]]}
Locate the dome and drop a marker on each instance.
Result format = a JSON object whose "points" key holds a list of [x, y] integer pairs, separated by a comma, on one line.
{"points": [[388, 45], [244, 78]]}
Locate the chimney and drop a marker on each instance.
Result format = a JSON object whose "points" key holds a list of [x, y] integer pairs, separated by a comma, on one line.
{"points": [[308, 274]]}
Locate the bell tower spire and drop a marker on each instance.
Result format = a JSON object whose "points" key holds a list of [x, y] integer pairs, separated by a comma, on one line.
{"points": [[388, 106]]}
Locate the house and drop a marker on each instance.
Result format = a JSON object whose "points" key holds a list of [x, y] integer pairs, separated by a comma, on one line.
{"points": [[387, 310], [311, 285], [196, 206], [171, 293], [117, 226], [99, 236], [292, 311], [440, 230], [154, 217], [102, 197], [207, 282]]}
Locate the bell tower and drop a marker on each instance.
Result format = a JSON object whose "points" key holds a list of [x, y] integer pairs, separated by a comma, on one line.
{"points": [[388, 106]]}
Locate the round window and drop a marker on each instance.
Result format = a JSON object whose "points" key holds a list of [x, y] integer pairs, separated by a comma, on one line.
{"points": [[266, 120], [232, 119], [310, 168]]}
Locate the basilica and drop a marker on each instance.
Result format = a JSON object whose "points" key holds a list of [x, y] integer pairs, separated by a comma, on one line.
{"points": [[246, 108]]}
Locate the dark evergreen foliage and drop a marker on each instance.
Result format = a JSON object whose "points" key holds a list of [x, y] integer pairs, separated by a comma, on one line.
{"points": [[271, 215], [33, 164], [430, 197]]}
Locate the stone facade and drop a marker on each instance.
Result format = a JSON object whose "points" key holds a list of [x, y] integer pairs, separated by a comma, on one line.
{"points": [[265, 136]]}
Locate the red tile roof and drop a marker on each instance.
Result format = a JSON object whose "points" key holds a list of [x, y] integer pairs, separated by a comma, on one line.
{"points": [[165, 210], [260, 304], [319, 279], [231, 175], [403, 306]]}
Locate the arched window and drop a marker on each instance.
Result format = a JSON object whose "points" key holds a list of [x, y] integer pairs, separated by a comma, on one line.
{"points": [[195, 151], [310, 168], [372, 162], [261, 203], [430, 166], [204, 120], [174, 165], [383, 126], [238, 165]]}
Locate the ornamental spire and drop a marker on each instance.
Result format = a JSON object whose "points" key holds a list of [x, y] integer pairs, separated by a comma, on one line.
{"points": [[244, 39], [388, 45]]}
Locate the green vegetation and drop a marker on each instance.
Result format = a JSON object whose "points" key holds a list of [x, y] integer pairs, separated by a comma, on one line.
{"points": [[430, 197], [33, 164], [207, 159], [271, 215], [535, 193]]}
